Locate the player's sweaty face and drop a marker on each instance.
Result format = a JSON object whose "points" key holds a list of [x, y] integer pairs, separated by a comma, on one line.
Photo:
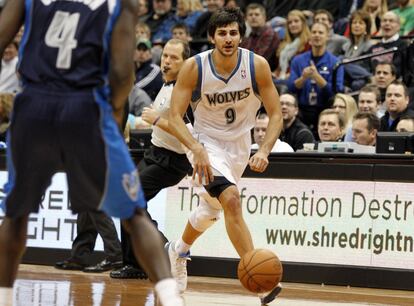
{"points": [[227, 39]]}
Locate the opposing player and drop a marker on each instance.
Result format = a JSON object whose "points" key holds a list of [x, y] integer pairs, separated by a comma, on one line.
{"points": [[226, 87], [77, 70]]}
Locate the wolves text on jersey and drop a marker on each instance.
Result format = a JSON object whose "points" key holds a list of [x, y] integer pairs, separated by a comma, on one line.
{"points": [[228, 97]]}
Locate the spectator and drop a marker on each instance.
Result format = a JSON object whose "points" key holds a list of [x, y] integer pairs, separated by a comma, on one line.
{"points": [[345, 105], [396, 99], [296, 41], [405, 11], [6, 105], [161, 21], [137, 100], [188, 12], [331, 125], [144, 10], [180, 31], [376, 9], [295, 133], [9, 82], [259, 132], [385, 73], [262, 39], [142, 31], [335, 42], [200, 29], [359, 38], [369, 100], [147, 75], [311, 76], [365, 126], [406, 124], [390, 28]]}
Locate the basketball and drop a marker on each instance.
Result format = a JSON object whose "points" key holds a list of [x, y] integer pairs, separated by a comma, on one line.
{"points": [[260, 270]]}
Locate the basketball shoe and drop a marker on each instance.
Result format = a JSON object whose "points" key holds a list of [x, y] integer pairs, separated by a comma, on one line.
{"points": [[178, 265], [270, 296]]}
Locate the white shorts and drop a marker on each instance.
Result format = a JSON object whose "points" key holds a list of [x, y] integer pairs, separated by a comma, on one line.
{"points": [[227, 158]]}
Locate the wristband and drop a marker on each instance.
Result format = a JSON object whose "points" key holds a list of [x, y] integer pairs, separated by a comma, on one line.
{"points": [[156, 120]]}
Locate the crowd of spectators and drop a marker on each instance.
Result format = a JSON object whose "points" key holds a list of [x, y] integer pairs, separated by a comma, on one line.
{"points": [[324, 54]]}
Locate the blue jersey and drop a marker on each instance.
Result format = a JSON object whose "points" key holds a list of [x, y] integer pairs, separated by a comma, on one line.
{"points": [[66, 43]]}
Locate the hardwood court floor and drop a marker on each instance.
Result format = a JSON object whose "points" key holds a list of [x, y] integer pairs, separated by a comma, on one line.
{"points": [[46, 286]]}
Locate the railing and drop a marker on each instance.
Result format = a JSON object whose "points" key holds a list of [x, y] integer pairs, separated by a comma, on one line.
{"points": [[346, 61]]}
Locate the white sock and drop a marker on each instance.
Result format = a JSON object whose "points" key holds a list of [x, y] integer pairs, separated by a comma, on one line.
{"points": [[167, 291], [181, 247], [6, 296]]}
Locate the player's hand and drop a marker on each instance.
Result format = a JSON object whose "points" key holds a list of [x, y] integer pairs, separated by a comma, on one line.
{"points": [[149, 115], [201, 165], [258, 162]]}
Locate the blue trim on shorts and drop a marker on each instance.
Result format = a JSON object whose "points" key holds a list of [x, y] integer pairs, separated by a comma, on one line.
{"points": [[253, 72], [123, 192]]}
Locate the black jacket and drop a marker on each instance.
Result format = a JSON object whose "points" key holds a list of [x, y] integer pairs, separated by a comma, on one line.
{"points": [[297, 134]]}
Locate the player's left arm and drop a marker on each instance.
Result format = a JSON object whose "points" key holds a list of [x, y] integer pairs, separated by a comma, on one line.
{"points": [[11, 20], [270, 98]]}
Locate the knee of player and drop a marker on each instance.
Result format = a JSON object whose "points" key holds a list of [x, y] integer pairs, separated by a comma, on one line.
{"points": [[232, 206]]}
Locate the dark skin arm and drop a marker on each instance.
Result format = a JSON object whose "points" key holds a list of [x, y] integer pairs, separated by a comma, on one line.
{"points": [[121, 75], [12, 17]]}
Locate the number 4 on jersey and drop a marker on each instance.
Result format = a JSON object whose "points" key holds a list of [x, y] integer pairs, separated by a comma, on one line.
{"points": [[61, 35]]}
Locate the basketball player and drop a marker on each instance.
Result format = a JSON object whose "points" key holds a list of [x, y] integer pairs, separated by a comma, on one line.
{"points": [[77, 70], [165, 162], [226, 86]]}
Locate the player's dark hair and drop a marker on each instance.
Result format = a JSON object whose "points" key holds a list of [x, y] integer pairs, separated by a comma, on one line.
{"points": [[224, 17]]}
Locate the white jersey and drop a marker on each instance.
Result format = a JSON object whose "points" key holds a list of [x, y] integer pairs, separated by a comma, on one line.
{"points": [[159, 137], [225, 108]]}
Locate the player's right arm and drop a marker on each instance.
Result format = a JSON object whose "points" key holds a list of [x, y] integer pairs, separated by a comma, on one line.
{"points": [[121, 74], [181, 97], [11, 20]]}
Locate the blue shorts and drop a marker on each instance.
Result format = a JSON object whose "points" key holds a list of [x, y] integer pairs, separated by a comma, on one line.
{"points": [[74, 132]]}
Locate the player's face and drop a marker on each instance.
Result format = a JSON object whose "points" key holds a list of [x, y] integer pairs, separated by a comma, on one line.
{"points": [[259, 131], [329, 128], [360, 133], [367, 102], [227, 39], [171, 61]]}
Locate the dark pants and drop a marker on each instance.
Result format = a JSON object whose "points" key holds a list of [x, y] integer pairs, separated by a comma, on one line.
{"points": [[160, 168], [89, 225]]}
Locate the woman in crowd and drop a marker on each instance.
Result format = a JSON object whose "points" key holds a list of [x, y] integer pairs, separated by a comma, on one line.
{"points": [[188, 11], [296, 41], [347, 107], [360, 35], [376, 9]]}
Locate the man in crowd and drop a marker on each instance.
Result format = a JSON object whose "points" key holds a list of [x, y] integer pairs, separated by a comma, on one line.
{"points": [[406, 124], [311, 76], [335, 41], [331, 125], [390, 28], [295, 132], [147, 75], [262, 39], [405, 11], [365, 126], [9, 82], [384, 74], [396, 99]]}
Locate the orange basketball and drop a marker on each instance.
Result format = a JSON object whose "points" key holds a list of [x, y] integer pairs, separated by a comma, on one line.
{"points": [[260, 270]]}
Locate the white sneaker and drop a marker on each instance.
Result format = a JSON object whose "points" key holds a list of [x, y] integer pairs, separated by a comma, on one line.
{"points": [[178, 265]]}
